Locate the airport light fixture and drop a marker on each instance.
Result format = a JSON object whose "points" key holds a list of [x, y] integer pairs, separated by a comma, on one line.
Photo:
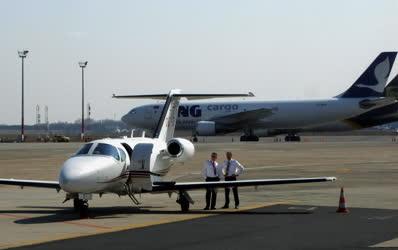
{"points": [[22, 54], [82, 65]]}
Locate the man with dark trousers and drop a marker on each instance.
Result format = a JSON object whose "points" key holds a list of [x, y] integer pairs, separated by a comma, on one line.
{"points": [[211, 172], [231, 169]]}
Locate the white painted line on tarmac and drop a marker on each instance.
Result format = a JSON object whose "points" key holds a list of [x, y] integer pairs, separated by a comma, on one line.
{"points": [[389, 243]]}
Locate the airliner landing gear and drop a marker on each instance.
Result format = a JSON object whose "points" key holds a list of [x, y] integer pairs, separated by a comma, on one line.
{"points": [[249, 138], [292, 137], [195, 139], [81, 206], [249, 135]]}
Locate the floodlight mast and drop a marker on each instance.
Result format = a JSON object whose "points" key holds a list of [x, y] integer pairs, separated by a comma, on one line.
{"points": [[82, 65], [22, 54]]}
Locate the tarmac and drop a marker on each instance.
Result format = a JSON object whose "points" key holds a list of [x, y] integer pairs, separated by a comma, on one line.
{"points": [[277, 217]]}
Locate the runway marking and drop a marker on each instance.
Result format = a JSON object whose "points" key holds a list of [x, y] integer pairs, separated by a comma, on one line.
{"points": [[343, 170], [381, 218], [303, 208], [194, 216], [76, 223], [105, 230], [388, 243]]}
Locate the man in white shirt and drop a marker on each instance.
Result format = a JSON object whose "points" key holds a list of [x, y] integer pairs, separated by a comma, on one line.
{"points": [[211, 172], [231, 169]]}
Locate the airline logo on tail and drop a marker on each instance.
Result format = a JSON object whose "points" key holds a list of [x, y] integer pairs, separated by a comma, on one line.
{"points": [[372, 81], [381, 73]]}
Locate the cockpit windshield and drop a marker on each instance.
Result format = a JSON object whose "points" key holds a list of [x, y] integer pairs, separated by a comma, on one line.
{"points": [[133, 111], [85, 149], [106, 149]]}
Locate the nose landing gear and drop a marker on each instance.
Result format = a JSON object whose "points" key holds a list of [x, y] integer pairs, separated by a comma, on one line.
{"points": [[81, 206]]}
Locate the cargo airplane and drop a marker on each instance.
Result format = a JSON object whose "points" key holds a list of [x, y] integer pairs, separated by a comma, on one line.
{"points": [[130, 166], [267, 118]]}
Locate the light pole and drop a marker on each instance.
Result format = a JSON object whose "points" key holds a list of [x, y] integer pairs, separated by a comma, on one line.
{"points": [[82, 65], [22, 54]]}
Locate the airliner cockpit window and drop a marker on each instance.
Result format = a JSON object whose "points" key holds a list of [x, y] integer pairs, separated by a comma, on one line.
{"points": [[132, 111], [106, 149], [84, 150]]}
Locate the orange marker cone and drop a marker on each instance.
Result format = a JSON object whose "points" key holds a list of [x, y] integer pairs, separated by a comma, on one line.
{"points": [[342, 208]]}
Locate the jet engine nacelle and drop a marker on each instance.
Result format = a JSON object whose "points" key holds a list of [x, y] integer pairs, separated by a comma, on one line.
{"points": [[206, 128], [180, 149]]}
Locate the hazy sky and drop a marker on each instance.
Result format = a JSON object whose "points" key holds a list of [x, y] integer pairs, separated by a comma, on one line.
{"points": [[276, 49]]}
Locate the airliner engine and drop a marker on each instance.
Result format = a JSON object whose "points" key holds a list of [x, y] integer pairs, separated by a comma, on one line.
{"points": [[206, 128]]}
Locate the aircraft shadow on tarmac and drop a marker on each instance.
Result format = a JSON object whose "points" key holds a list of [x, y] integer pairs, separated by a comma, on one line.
{"points": [[64, 214]]}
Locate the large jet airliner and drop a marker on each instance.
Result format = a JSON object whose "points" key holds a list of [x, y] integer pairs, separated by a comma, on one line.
{"points": [[374, 117], [259, 118]]}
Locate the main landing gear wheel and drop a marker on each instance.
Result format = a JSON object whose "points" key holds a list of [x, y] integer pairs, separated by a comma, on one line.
{"points": [[184, 203], [81, 206], [295, 138], [249, 138]]}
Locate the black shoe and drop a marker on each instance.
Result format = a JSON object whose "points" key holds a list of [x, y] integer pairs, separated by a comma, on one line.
{"points": [[206, 208], [213, 208], [225, 207], [236, 206]]}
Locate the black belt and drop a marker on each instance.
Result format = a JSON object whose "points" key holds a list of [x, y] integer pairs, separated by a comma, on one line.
{"points": [[230, 178], [212, 179]]}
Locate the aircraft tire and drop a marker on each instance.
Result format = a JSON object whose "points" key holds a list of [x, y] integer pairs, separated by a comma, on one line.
{"points": [[249, 138], [76, 204], [184, 203], [83, 209]]}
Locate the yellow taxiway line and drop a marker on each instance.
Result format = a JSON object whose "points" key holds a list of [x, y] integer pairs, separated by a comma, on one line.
{"points": [[103, 230]]}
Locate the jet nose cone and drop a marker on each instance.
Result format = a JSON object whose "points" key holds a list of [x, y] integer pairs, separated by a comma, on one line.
{"points": [[125, 119], [72, 174], [83, 174]]}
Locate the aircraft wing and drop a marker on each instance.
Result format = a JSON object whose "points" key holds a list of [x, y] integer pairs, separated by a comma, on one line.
{"points": [[184, 186], [30, 183], [243, 117]]}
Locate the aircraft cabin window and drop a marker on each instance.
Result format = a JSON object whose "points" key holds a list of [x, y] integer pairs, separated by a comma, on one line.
{"points": [[106, 149], [84, 150], [122, 155]]}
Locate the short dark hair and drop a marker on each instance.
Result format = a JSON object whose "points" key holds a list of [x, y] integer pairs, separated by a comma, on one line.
{"points": [[214, 154]]}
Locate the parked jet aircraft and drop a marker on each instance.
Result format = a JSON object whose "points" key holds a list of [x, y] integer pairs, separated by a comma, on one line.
{"points": [[129, 166], [262, 118], [376, 117]]}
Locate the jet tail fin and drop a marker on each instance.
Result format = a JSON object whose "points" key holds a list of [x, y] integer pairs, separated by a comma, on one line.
{"points": [[373, 80], [166, 124]]}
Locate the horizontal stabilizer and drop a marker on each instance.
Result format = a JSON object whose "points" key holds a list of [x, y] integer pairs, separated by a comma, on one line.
{"points": [[188, 96], [166, 124], [367, 104], [392, 88]]}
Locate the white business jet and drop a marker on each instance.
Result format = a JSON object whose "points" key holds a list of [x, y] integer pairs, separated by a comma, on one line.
{"points": [[130, 166]]}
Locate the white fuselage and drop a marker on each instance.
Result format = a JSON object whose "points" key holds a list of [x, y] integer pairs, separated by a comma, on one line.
{"points": [[285, 114]]}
